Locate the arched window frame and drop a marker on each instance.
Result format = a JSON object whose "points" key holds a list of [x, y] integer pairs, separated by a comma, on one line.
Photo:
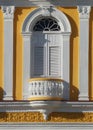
{"points": [[46, 24], [27, 29]]}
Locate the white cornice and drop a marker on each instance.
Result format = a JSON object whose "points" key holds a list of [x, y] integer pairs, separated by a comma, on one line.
{"points": [[29, 3], [46, 107], [58, 106], [46, 126]]}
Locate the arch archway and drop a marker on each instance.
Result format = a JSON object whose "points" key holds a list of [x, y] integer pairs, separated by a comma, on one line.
{"points": [[65, 31], [33, 17]]}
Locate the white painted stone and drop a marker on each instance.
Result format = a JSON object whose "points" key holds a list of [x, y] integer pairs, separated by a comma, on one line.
{"points": [[8, 12], [65, 32], [84, 13], [26, 63], [29, 3], [66, 65], [45, 89], [46, 126]]}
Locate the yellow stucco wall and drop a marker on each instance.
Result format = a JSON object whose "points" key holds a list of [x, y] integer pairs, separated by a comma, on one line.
{"points": [[72, 15], [20, 15], [38, 117], [1, 53], [91, 55]]}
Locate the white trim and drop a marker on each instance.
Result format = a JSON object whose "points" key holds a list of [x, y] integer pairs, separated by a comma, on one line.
{"points": [[8, 12], [38, 13], [66, 65], [84, 13], [29, 3], [46, 126], [52, 106], [46, 107], [65, 31]]}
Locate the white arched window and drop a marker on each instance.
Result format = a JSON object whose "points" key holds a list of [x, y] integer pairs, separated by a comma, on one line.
{"points": [[46, 34], [46, 49]]}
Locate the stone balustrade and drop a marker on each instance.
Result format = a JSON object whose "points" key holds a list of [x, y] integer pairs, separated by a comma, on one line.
{"points": [[45, 89]]}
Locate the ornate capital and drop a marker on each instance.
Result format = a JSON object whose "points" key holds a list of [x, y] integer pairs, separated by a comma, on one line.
{"points": [[84, 11], [8, 11], [47, 10]]}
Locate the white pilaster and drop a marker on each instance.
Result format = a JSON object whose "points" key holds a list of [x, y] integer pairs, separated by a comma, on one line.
{"points": [[8, 12], [26, 64], [66, 65], [84, 12]]}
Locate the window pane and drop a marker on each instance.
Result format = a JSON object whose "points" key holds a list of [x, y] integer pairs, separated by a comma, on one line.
{"points": [[46, 24], [38, 61], [54, 59]]}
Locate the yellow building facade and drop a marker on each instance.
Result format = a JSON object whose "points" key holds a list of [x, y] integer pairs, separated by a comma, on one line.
{"points": [[46, 64]]}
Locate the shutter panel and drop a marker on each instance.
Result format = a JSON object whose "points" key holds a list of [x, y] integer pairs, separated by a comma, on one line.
{"points": [[38, 61], [54, 61]]}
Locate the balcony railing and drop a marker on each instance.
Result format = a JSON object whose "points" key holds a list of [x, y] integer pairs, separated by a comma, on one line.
{"points": [[45, 89]]}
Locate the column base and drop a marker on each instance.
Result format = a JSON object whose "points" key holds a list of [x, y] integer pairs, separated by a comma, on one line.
{"points": [[7, 98], [83, 98]]}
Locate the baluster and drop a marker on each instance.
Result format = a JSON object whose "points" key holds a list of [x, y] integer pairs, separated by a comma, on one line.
{"points": [[35, 88], [60, 89], [48, 89], [31, 89], [43, 87], [39, 88], [56, 89]]}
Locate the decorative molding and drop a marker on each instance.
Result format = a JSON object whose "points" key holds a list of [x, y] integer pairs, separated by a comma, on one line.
{"points": [[27, 28], [44, 89], [53, 117], [46, 10], [29, 3], [47, 107], [84, 11], [32, 18], [8, 12], [56, 106], [46, 126]]}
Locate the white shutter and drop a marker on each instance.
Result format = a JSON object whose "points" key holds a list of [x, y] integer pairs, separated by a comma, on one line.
{"points": [[54, 61], [38, 61]]}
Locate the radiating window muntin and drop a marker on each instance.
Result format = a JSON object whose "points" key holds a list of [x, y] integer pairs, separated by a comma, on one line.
{"points": [[46, 24]]}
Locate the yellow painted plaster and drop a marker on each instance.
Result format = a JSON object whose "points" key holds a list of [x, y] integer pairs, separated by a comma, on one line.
{"points": [[38, 117], [20, 15], [72, 15], [45, 79], [91, 55], [1, 53]]}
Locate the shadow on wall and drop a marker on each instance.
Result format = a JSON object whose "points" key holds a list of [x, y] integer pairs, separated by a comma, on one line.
{"points": [[74, 92], [66, 116], [70, 90], [18, 51], [1, 93], [3, 116], [91, 55]]}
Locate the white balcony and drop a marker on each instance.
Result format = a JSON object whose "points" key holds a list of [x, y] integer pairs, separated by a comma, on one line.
{"points": [[45, 89]]}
